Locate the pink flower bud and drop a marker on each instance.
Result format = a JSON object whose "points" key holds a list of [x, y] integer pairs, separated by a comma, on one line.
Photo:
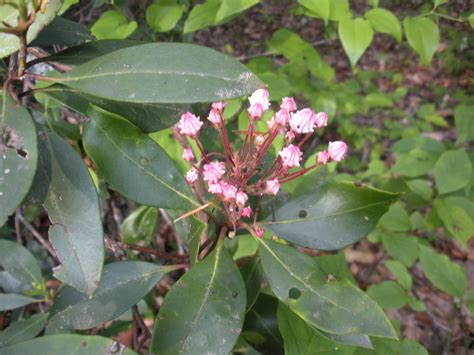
{"points": [[191, 176], [229, 191], [291, 156], [215, 117], [255, 111], [272, 186], [322, 157], [259, 231], [246, 212], [321, 119], [260, 97], [337, 150], [188, 154], [219, 106], [215, 189], [288, 104], [289, 136], [259, 139], [241, 198], [189, 124], [213, 171], [303, 121]]}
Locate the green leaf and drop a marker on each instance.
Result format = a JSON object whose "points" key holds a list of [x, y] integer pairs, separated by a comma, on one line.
{"points": [[331, 217], [173, 72], [388, 294], [421, 188], [133, 163], [113, 24], [18, 155], [385, 21], [23, 330], [415, 163], [204, 311], [411, 347], [470, 18], [464, 120], [246, 246], [378, 100], [336, 307], [320, 7], [356, 36], [440, 2], [8, 14], [140, 225], [446, 275], [149, 117], [65, 188], [10, 301], [230, 8], [87, 51], [423, 36], [202, 16], [339, 10], [252, 273], [452, 171], [72, 343], [396, 219], [299, 338], [198, 231], [63, 32], [401, 273], [162, 17], [20, 270], [455, 218], [335, 266], [402, 248], [123, 284]]}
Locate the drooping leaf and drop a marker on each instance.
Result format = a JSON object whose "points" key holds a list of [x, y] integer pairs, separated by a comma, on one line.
{"points": [[457, 220], [193, 239], [464, 119], [299, 338], [331, 217], [402, 248], [452, 171], [231, 8], [72, 343], [112, 24], [149, 117], [401, 273], [10, 301], [355, 35], [133, 163], [18, 155], [385, 21], [409, 346], [445, 274], [8, 14], [204, 311], [23, 330], [423, 36], [20, 270], [388, 294], [320, 7], [421, 188], [396, 219], [202, 16], [336, 307], [64, 33], [162, 17], [123, 284], [173, 73], [65, 188], [140, 225]]}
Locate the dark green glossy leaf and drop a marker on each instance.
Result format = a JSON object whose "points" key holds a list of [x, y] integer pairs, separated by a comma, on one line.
{"points": [[20, 270], [70, 343], [18, 155], [133, 163], [193, 239], [336, 307], [123, 284], [87, 51], [331, 217], [252, 274], [64, 33], [172, 72], [23, 330], [149, 117], [65, 188], [204, 311], [336, 266], [140, 225], [299, 338], [261, 326], [12, 300], [9, 43]]}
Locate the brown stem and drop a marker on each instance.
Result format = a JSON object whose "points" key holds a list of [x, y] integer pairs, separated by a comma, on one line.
{"points": [[22, 54]]}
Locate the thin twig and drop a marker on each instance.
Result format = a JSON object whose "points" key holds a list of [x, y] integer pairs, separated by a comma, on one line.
{"points": [[38, 237], [141, 333]]}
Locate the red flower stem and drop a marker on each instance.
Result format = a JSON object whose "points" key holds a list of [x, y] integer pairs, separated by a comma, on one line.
{"points": [[270, 169], [296, 174], [226, 150], [201, 149], [266, 144], [303, 141], [250, 150]]}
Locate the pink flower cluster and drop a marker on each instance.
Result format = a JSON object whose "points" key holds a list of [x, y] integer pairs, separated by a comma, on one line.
{"points": [[232, 178]]}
